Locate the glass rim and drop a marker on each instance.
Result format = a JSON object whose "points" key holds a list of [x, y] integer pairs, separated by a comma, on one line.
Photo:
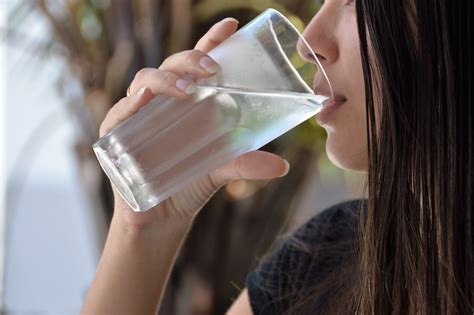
{"points": [[293, 27]]}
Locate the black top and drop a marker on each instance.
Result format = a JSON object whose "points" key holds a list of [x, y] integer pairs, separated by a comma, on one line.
{"points": [[304, 260]]}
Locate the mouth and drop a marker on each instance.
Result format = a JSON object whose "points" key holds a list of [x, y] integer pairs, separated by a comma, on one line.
{"points": [[330, 105], [325, 91]]}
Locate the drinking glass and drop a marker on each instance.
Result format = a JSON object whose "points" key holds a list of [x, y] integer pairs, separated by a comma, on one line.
{"points": [[260, 93]]}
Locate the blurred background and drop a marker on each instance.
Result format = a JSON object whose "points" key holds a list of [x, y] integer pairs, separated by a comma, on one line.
{"points": [[66, 63]]}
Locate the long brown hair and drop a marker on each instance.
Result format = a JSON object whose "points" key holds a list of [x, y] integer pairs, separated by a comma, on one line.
{"points": [[417, 238], [414, 253]]}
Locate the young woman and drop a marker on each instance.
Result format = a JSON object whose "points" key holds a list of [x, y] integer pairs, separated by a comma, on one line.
{"points": [[402, 74]]}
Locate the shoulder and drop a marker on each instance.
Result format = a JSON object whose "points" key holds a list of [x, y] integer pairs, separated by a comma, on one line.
{"points": [[339, 219], [304, 258]]}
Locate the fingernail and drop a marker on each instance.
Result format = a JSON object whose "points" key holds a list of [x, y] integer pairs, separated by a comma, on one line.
{"points": [[141, 91], [287, 168], [186, 86], [209, 65], [230, 19]]}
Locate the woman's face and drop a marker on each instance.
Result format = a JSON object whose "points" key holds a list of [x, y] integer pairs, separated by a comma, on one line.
{"points": [[333, 36]]}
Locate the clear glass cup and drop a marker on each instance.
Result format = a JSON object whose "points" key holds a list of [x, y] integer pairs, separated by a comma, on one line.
{"points": [[259, 94]]}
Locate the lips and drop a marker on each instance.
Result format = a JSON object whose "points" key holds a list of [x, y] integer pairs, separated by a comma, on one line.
{"points": [[330, 105]]}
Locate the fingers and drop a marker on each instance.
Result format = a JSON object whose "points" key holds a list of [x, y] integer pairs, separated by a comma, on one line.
{"points": [[156, 82], [217, 34], [125, 108], [191, 62], [196, 62], [251, 165], [162, 82]]}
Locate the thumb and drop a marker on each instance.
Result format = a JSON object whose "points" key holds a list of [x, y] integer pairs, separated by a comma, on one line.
{"points": [[251, 165]]}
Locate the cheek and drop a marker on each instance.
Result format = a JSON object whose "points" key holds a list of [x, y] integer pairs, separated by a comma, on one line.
{"points": [[346, 144], [347, 135]]}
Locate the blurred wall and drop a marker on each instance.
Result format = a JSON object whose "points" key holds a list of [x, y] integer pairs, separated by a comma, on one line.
{"points": [[51, 243]]}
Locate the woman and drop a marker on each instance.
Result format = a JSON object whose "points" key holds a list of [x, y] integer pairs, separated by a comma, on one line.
{"points": [[402, 71]]}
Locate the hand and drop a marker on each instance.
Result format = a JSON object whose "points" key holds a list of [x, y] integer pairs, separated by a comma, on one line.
{"points": [[168, 80]]}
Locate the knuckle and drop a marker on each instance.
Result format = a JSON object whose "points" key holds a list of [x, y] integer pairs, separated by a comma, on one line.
{"points": [[213, 183], [213, 42], [238, 166], [120, 103], [167, 82], [168, 59], [142, 73], [193, 56], [167, 76], [116, 110]]}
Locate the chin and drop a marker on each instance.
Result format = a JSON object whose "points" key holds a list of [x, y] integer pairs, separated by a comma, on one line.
{"points": [[348, 156]]}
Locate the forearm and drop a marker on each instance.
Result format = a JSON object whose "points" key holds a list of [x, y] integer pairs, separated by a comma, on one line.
{"points": [[134, 268]]}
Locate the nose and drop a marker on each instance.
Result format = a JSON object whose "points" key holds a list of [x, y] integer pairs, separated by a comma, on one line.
{"points": [[319, 36]]}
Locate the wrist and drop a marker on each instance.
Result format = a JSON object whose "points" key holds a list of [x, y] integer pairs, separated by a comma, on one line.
{"points": [[151, 222]]}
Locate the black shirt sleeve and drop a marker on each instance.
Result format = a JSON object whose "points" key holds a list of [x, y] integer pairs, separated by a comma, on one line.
{"points": [[296, 263]]}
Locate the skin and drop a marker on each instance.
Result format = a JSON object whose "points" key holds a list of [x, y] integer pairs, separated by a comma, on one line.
{"points": [[141, 248], [333, 35]]}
